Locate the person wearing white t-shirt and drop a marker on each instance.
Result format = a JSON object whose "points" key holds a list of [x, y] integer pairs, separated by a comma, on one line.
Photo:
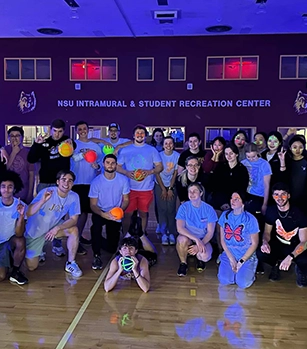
{"points": [[45, 221], [85, 172], [107, 191], [140, 162], [12, 215]]}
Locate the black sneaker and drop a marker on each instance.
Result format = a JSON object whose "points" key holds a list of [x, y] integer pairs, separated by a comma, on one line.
{"points": [[200, 265], [275, 273], [97, 263], [260, 269], [81, 250], [182, 270], [18, 278], [85, 242], [301, 278]]}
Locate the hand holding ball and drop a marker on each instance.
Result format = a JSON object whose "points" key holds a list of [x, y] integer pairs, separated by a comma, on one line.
{"points": [[139, 175], [65, 149], [127, 263], [117, 212], [90, 156], [107, 150]]}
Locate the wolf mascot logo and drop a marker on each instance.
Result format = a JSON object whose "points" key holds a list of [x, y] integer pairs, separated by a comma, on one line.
{"points": [[300, 104], [27, 102]]}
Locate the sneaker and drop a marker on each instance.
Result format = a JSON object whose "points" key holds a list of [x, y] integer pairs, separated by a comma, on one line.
{"points": [[85, 242], [301, 278], [59, 251], [200, 265], [97, 263], [73, 269], [218, 260], [18, 278], [42, 258], [260, 269], [158, 231], [275, 273], [81, 250], [182, 270], [172, 239], [164, 240]]}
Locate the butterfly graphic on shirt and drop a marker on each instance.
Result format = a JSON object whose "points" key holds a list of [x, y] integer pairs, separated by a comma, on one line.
{"points": [[234, 233], [283, 235]]}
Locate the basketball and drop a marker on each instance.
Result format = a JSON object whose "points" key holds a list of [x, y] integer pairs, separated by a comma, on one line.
{"points": [[127, 263], [107, 150], [139, 175], [117, 212], [90, 156], [65, 149]]}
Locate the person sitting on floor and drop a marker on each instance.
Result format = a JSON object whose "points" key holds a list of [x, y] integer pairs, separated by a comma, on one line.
{"points": [[195, 225], [285, 237], [239, 238]]}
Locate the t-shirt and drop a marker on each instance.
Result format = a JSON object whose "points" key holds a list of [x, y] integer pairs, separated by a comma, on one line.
{"points": [[52, 212], [21, 166], [118, 142], [197, 218], [170, 164], [257, 170], [109, 191], [83, 170], [185, 154], [237, 231], [286, 225], [8, 217], [298, 176], [142, 157]]}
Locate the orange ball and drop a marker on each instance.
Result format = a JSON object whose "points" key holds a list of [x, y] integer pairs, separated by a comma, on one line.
{"points": [[90, 156], [139, 175], [117, 212], [66, 149]]}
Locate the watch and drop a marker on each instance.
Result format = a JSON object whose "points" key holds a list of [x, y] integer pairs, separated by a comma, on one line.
{"points": [[241, 260], [291, 255], [170, 188]]}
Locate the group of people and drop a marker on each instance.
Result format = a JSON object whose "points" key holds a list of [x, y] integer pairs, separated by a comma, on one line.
{"points": [[246, 198]]}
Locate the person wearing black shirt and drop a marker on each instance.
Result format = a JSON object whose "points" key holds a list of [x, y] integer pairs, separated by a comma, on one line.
{"points": [[285, 237], [194, 150]]}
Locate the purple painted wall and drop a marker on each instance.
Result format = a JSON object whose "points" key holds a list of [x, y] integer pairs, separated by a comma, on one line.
{"points": [[281, 93]]}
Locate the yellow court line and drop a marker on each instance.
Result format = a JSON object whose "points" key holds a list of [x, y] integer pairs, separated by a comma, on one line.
{"points": [[83, 309], [192, 280], [192, 293]]}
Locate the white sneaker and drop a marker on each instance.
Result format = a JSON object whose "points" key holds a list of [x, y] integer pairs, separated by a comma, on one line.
{"points": [[59, 251], [73, 269], [164, 240], [172, 239]]}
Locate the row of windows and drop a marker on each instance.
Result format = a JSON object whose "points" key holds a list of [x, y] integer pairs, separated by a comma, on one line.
{"points": [[106, 69], [177, 132]]}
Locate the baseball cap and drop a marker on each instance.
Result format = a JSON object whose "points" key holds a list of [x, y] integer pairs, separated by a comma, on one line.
{"points": [[114, 124]]}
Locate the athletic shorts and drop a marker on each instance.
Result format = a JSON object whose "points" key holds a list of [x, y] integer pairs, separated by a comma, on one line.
{"points": [[5, 255], [140, 200], [83, 190], [34, 247]]}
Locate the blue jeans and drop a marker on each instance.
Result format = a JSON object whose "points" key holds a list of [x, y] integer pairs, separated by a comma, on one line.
{"points": [[244, 278]]}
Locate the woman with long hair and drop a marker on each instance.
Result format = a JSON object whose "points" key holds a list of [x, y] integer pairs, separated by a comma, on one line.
{"points": [[215, 156], [240, 139], [260, 139], [157, 139], [239, 238]]}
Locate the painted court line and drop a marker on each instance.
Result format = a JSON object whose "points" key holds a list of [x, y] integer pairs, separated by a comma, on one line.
{"points": [[83, 309]]}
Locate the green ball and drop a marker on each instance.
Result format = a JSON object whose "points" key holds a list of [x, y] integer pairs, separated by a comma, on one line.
{"points": [[127, 263], [108, 150]]}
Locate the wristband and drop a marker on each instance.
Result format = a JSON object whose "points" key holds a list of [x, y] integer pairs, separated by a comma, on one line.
{"points": [[137, 277], [241, 260], [170, 188], [291, 255]]}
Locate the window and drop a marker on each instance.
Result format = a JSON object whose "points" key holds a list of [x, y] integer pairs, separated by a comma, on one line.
{"points": [[177, 68], [177, 132], [145, 69], [293, 67], [294, 130], [94, 132], [93, 69], [38, 69], [232, 68], [226, 132], [30, 133]]}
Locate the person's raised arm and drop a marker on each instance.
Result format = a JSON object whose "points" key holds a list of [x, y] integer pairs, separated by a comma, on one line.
{"points": [[20, 223], [37, 205]]}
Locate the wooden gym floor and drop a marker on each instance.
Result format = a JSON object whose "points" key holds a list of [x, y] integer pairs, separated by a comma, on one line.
{"points": [[56, 311]]}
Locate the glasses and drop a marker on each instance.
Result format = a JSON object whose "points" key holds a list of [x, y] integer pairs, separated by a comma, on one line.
{"points": [[193, 165], [277, 196]]}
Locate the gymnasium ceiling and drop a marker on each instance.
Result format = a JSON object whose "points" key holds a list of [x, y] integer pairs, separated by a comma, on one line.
{"points": [[135, 18]]}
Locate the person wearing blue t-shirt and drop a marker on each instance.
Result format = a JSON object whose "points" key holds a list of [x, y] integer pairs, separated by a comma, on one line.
{"points": [[46, 221], [107, 191], [139, 162], [195, 224], [12, 241], [239, 238], [85, 172], [260, 172]]}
